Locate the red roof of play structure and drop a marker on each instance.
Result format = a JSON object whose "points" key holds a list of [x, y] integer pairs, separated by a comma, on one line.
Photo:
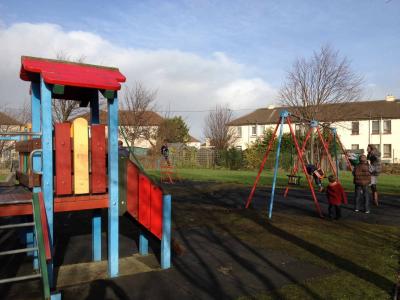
{"points": [[70, 73]]}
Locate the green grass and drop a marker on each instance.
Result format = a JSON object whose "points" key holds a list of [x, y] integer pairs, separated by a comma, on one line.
{"points": [[389, 184], [361, 258]]}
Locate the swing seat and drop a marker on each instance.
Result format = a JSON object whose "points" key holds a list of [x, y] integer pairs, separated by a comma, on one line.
{"points": [[293, 179]]}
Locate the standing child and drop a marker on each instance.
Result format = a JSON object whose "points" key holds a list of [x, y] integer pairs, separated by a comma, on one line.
{"points": [[336, 196], [165, 152], [362, 179]]}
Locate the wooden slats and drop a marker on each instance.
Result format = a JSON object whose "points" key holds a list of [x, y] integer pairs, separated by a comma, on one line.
{"points": [[144, 200], [44, 227], [156, 214], [63, 164], [81, 156], [98, 159]]}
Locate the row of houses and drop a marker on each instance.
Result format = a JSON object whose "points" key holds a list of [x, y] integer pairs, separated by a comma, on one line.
{"points": [[358, 124], [153, 121]]}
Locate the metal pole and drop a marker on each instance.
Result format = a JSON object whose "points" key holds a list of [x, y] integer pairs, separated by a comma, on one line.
{"points": [[335, 150], [271, 142], [296, 168], [326, 151], [284, 115], [305, 169]]}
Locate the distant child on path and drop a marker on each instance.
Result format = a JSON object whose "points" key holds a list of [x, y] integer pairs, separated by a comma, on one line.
{"points": [[336, 196], [362, 179], [122, 151], [165, 152], [317, 174]]}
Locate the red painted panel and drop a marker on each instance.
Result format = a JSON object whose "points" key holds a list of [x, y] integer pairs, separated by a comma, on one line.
{"points": [[43, 217], [132, 193], [144, 201], [71, 74], [98, 158], [156, 211], [62, 133]]}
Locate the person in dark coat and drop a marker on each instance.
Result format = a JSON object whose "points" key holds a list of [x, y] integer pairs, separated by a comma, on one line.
{"points": [[336, 197], [374, 157], [362, 179], [165, 152], [122, 151]]}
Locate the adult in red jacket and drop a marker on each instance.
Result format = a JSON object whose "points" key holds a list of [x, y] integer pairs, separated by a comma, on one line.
{"points": [[336, 197]]}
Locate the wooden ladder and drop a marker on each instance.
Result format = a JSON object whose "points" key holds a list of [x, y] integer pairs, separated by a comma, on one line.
{"points": [[41, 244]]}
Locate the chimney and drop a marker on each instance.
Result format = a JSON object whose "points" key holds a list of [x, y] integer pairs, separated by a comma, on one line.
{"points": [[390, 98]]}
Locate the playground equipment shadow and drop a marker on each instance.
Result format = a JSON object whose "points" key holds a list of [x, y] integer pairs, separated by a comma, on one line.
{"points": [[225, 252]]}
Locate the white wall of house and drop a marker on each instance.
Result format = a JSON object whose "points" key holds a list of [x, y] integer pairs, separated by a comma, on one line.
{"points": [[248, 134], [385, 134]]}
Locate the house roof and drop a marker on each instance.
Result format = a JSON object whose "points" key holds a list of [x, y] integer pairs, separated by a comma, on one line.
{"points": [[193, 139], [152, 118], [353, 111], [7, 120]]}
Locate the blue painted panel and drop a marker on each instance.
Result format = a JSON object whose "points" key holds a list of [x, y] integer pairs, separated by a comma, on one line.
{"points": [[278, 152], [113, 187], [166, 233], [47, 152], [36, 127], [143, 243], [94, 111]]}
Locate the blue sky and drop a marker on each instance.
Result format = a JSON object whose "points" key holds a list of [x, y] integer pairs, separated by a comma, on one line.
{"points": [[263, 37]]}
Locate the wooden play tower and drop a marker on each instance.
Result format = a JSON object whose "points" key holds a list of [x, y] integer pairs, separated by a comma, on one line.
{"points": [[75, 166]]}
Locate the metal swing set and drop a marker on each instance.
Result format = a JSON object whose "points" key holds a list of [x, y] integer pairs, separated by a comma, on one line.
{"points": [[315, 126]]}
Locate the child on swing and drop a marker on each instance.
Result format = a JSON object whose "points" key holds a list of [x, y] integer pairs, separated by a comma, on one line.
{"points": [[317, 173]]}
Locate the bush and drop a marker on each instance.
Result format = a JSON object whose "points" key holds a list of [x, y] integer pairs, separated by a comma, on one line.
{"points": [[231, 159]]}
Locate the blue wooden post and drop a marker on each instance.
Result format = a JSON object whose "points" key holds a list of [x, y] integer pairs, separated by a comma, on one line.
{"points": [[284, 115], [113, 186], [143, 243], [96, 219], [166, 233], [47, 152], [37, 164]]}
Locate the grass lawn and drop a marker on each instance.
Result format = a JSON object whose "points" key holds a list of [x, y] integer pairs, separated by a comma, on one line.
{"points": [[389, 184], [361, 258]]}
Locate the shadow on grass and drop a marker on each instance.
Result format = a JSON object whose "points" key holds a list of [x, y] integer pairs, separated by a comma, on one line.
{"points": [[337, 261]]}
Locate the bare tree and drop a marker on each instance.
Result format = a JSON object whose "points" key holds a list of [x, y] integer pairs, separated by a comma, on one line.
{"points": [[135, 118], [65, 109], [217, 130], [11, 121], [325, 78]]}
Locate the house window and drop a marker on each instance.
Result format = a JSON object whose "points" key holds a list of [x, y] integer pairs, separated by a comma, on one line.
{"points": [[387, 127], [355, 128], [376, 127], [254, 130], [355, 147], [387, 150], [239, 131]]}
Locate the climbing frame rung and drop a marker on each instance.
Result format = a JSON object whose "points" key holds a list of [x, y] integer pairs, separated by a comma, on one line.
{"points": [[16, 251], [18, 225], [20, 278]]}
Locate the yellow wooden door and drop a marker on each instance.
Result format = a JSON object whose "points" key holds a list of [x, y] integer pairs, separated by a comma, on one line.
{"points": [[80, 133]]}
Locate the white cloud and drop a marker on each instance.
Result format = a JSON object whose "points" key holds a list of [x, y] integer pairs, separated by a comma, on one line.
{"points": [[185, 81]]}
